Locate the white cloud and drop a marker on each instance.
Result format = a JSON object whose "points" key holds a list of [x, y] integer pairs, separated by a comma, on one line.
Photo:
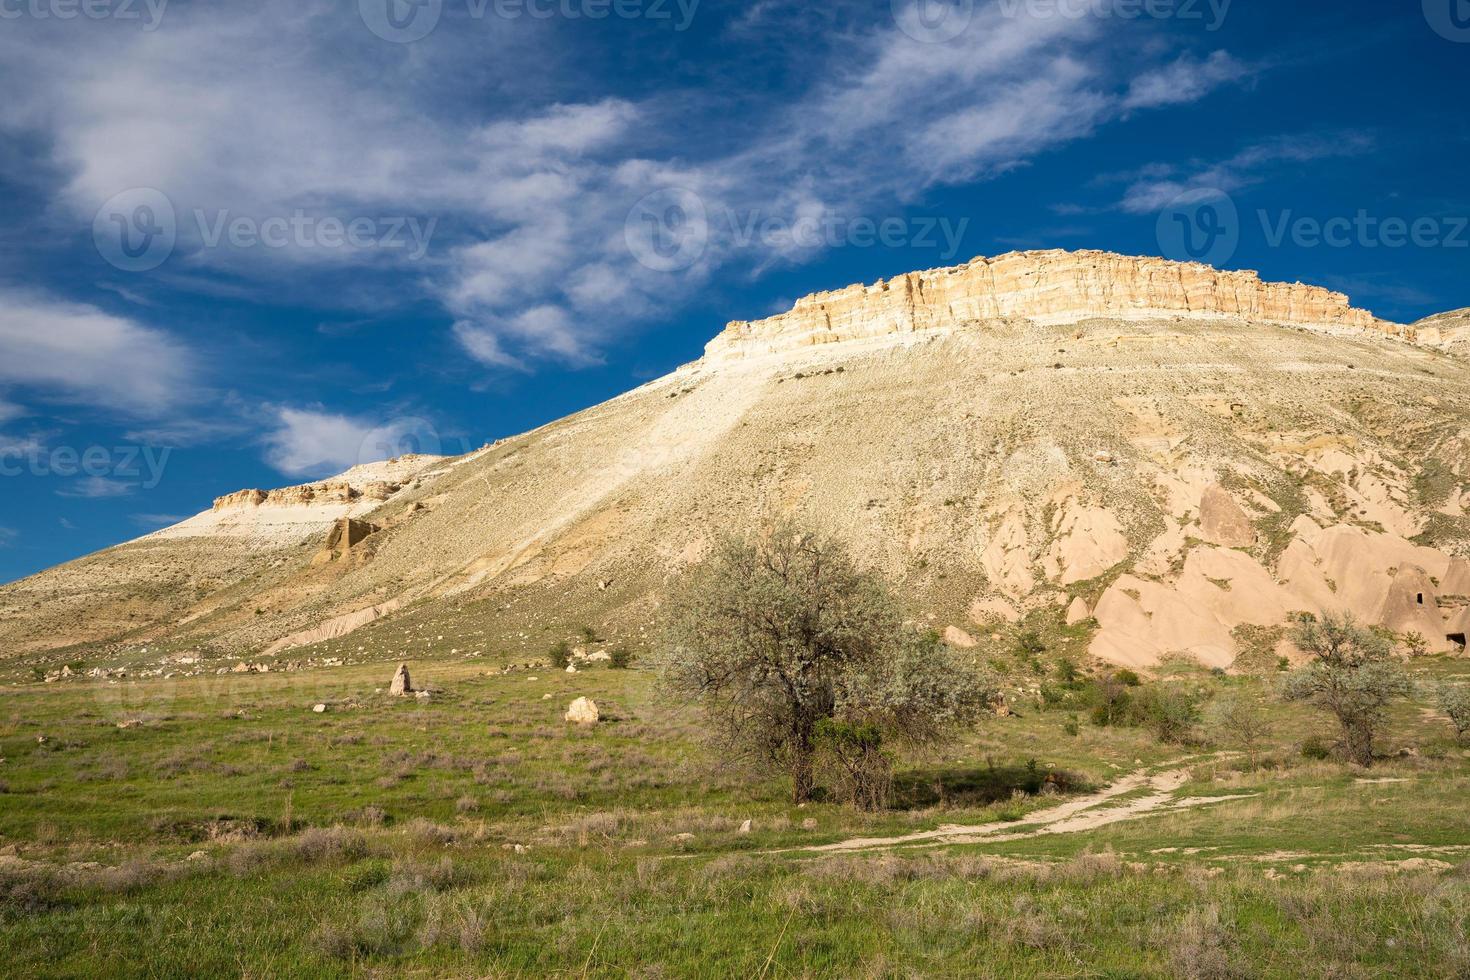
{"points": [[10, 410], [80, 354], [97, 487], [1157, 185], [313, 443], [1186, 80], [531, 261], [8, 537]]}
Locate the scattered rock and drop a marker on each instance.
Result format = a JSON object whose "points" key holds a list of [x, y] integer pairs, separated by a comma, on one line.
{"points": [[583, 711], [745, 827], [198, 856], [810, 823], [422, 695], [319, 708], [959, 639]]}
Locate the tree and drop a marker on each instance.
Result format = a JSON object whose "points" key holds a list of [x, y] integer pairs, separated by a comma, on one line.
{"points": [[774, 636], [1454, 700], [1242, 718], [1352, 674]]}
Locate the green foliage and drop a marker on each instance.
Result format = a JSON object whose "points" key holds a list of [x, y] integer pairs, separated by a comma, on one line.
{"points": [[773, 636], [1127, 678], [1067, 671], [588, 634], [1454, 700], [853, 753], [560, 654], [621, 657], [1170, 712], [1316, 747], [1352, 674], [1029, 644]]}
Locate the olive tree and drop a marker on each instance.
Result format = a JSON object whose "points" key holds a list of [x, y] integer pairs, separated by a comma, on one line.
{"points": [[1454, 700], [789, 647], [1352, 673]]}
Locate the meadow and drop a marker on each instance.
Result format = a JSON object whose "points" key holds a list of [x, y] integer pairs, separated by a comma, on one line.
{"points": [[219, 826]]}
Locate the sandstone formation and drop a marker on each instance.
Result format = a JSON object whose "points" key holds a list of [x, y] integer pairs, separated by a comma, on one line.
{"points": [[1050, 287], [401, 685]]}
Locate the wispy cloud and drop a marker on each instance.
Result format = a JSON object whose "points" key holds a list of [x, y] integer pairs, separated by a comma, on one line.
{"points": [[97, 488], [80, 354], [1187, 79], [1155, 186], [8, 537], [532, 261]]}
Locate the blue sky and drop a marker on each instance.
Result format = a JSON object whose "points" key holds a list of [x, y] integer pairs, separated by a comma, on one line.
{"points": [[253, 244]]}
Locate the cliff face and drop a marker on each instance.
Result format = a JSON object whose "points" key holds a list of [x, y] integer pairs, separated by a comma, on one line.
{"points": [[1047, 287], [307, 495]]}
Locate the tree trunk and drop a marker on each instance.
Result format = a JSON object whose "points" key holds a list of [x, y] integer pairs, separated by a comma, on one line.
{"points": [[802, 780], [1358, 739]]}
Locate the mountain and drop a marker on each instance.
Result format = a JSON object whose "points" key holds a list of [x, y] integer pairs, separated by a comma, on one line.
{"points": [[1171, 456]]}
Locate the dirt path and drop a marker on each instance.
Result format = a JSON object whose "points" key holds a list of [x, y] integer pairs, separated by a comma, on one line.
{"points": [[1085, 813]]}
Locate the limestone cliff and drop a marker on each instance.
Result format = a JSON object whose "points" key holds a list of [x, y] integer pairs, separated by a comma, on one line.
{"points": [[1047, 287]]}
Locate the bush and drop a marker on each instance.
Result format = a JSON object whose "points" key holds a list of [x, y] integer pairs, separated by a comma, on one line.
{"points": [[621, 658], [560, 654], [1127, 678], [1454, 700], [1170, 712], [1317, 748]]}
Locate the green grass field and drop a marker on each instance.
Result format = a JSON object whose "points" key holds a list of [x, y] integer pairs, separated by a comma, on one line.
{"points": [[217, 826]]}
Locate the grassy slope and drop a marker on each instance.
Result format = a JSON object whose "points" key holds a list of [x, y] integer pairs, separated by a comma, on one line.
{"points": [[422, 877]]}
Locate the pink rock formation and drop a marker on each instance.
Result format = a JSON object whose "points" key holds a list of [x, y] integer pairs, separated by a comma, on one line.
{"points": [[1053, 286]]}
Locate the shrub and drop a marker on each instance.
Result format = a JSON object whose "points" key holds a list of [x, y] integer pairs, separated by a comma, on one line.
{"points": [[1316, 747], [1127, 677], [560, 654], [1454, 700], [1352, 674], [1170, 712], [621, 658]]}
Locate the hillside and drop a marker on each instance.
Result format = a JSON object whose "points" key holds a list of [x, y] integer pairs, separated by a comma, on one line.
{"points": [[1183, 455]]}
